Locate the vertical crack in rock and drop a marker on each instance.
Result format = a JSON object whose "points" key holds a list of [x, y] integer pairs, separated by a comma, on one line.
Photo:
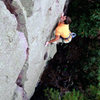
{"points": [[21, 17], [15, 7], [20, 91], [20, 83], [28, 5]]}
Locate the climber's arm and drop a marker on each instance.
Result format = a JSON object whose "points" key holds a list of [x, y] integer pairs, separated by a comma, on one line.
{"points": [[53, 40], [57, 37]]}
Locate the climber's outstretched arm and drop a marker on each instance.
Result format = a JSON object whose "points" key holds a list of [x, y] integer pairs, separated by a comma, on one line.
{"points": [[57, 37]]}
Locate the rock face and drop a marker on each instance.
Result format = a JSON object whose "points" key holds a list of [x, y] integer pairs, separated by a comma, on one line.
{"points": [[25, 26]]}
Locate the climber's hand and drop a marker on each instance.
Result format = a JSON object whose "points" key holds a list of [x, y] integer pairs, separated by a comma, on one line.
{"points": [[47, 44], [62, 14]]}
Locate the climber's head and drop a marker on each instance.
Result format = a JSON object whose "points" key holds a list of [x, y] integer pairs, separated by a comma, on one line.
{"points": [[63, 18], [68, 20]]}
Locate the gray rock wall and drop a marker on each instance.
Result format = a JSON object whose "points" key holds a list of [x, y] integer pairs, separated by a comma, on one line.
{"points": [[25, 24]]}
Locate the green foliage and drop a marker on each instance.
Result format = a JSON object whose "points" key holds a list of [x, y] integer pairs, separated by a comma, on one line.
{"points": [[98, 91], [91, 71], [53, 94], [74, 95], [86, 22], [91, 92], [90, 65]]}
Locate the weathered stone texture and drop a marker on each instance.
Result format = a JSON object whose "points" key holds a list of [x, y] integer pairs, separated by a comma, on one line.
{"points": [[31, 26], [12, 53]]}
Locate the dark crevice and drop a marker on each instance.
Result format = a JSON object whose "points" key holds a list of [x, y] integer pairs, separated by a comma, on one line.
{"points": [[10, 7]]}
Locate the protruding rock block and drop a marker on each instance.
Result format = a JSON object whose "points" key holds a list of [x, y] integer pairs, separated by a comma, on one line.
{"points": [[25, 24]]}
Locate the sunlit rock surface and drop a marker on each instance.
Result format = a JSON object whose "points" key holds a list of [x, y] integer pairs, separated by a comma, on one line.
{"points": [[25, 24]]}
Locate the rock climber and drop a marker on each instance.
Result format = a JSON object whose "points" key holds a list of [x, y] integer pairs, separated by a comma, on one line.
{"points": [[62, 31]]}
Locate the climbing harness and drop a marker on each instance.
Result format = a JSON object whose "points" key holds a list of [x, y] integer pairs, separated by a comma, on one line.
{"points": [[71, 34]]}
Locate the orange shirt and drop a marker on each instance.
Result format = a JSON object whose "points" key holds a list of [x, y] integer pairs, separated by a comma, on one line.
{"points": [[63, 30]]}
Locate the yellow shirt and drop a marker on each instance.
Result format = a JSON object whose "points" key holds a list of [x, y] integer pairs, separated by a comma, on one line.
{"points": [[63, 30]]}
